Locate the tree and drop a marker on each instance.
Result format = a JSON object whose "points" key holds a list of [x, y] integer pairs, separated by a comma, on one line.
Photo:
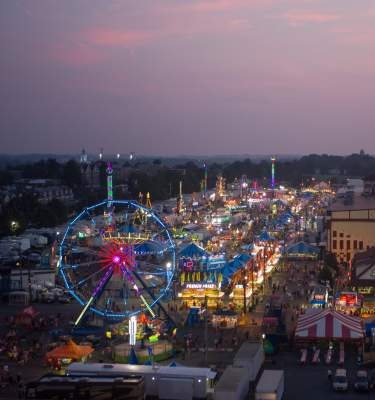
{"points": [[331, 260], [5, 177], [71, 174]]}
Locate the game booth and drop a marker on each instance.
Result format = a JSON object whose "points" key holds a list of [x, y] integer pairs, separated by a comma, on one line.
{"points": [[348, 302], [224, 319], [319, 297]]}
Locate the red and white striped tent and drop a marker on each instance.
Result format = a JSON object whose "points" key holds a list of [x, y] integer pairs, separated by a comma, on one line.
{"points": [[328, 324]]}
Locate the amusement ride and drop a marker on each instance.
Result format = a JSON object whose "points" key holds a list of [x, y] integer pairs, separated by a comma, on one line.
{"points": [[117, 258]]}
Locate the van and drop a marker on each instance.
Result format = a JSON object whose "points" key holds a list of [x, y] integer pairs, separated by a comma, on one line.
{"points": [[362, 382], [340, 381]]}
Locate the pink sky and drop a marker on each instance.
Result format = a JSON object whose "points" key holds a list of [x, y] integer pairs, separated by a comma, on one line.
{"points": [[187, 77]]}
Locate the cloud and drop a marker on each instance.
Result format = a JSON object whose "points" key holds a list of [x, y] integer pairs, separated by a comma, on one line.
{"points": [[298, 18], [75, 55], [358, 36], [117, 38], [238, 23], [213, 5]]}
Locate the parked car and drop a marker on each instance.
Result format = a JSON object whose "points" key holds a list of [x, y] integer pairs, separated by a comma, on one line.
{"points": [[340, 381], [361, 383]]}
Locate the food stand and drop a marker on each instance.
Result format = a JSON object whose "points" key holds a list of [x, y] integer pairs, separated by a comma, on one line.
{"points": [[195, 294], [200, 276]]}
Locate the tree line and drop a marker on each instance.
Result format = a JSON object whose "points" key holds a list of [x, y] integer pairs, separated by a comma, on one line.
{"points": [[160, 180]]}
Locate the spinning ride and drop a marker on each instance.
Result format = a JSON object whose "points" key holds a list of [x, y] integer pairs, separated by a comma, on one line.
{"points": [[116, 265]]}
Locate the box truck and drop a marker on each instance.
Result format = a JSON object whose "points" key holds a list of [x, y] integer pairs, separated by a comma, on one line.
{"points": [[270, 385]]}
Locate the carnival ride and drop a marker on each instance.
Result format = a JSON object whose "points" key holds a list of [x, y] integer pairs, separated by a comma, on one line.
{"points": [[117, 258]]}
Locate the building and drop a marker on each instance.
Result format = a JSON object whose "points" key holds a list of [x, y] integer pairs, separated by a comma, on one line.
{"points": [[351, 225], [363, 280], [352, 185], [363, 272]]}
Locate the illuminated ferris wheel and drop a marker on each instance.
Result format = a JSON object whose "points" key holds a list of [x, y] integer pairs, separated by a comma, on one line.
{"points": [[117, 259]]}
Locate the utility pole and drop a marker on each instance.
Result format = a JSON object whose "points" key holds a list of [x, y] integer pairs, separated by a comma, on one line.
{"points": [[264, 269], [205, 329], [252, 283], [244, 285]]}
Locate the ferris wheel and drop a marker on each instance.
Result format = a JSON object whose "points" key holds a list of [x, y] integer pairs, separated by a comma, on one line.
{"points": [[117, 259]]}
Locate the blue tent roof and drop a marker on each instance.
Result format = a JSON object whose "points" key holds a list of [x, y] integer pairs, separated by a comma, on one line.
{"points": [[193, 250], [148, 247], [288, 213], [302, 248], [133, 360], [244, 258], [231, 267], [265, 236]]}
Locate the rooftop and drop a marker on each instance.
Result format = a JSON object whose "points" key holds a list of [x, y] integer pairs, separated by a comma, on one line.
{"points": [[365, 257], [231, 378], [355, 202]]}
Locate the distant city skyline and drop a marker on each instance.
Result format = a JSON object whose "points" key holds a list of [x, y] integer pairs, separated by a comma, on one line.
{"points": [[193, 77]]}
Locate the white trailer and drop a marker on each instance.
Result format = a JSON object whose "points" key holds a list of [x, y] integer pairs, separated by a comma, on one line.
{"points": [[251, 357], [178, 383], [270, 385], [233, 384]]}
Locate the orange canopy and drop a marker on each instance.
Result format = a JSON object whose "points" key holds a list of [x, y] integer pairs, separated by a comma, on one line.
{"points": [[70, 350]]}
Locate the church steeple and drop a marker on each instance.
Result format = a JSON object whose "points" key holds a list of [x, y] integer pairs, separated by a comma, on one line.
{"points": [[83, 157]]}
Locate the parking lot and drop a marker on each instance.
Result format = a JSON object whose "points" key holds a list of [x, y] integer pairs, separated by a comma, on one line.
{"points": [[310, 382]]}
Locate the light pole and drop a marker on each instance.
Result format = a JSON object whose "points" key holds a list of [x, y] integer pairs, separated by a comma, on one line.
{"points": [[14, 226], [244, 286], [205, 329], [252, 283]]}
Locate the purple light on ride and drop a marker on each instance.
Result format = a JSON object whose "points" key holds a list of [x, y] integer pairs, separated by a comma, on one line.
{"points": [[116, 259], [103, 281]]}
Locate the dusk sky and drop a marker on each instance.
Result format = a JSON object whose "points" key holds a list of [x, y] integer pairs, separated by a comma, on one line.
{"points": [[171, 77]]}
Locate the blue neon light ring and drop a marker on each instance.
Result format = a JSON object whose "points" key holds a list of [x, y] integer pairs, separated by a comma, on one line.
{"points": [[169, 248]]}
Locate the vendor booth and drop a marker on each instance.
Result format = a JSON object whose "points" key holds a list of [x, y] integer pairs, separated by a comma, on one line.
{"points": [[224, 319], [302, 251], [70, 352], [200, 276], [348, 302], [319, 297]]}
